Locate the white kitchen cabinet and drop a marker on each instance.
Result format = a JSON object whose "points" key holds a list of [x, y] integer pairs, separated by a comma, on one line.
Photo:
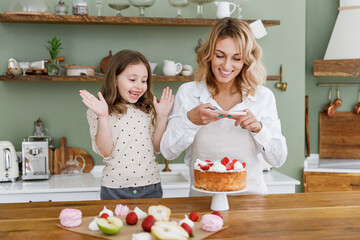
{"points": [[87, 186]]}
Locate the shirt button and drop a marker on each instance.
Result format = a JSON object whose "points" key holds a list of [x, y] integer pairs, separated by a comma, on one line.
{"points": [[135, 191]]}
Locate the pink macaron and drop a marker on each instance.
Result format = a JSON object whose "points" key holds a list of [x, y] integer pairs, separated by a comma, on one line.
{"points": [[70, 217], [211, 223]]}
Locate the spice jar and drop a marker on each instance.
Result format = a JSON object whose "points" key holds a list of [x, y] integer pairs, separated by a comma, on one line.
{"points": [[80, 7]]}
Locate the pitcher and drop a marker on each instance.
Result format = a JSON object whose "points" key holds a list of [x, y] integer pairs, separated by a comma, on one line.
{"points": [[223, 9], [171, 68]]}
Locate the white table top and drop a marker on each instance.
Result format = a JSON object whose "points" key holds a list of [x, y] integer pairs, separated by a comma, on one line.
{"points": [[314, 164], [92, 182]]}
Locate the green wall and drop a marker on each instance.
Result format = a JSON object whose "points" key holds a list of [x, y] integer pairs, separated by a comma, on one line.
{"points": [[320, 20], [61, 109]]}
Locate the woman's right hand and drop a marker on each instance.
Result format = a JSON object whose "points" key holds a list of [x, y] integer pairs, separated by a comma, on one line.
{"points": [[97, 105], [203, 114]]}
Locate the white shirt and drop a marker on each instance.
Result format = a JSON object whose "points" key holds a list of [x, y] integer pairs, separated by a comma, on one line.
{"points": [[181, 132], [132, 161]]}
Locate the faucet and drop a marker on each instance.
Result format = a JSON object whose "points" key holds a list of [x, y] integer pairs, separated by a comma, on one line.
{"points": [[166, 169]]}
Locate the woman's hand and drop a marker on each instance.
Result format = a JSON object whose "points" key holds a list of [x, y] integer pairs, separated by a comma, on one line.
{"points": [[98, 106], [248, 121], [164, 106], [203, 114]]}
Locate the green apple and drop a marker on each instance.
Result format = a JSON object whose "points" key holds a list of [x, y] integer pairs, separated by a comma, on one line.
{"points": [[110, 225], [168, 230]]}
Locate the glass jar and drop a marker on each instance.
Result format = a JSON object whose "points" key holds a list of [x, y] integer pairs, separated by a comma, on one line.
{"points": [[54, 67], [80, 7], [61, 8]]}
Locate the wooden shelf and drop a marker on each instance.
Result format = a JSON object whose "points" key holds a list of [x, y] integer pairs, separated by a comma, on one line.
{"points": [[97, 78], [71, 19], [337, 68]]}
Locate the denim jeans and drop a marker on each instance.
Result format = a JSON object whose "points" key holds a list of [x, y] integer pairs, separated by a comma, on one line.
{"points": [[149, 191]]}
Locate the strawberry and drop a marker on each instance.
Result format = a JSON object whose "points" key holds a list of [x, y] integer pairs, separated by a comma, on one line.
{"points": [[194, 216], [187, 228], [244, 164], [217, 213], [104, 215], [225, 161], [210, 163], [131, 218], [204, 167], [230, 165]]}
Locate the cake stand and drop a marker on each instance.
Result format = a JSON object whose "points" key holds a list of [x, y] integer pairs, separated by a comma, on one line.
{"points": [[219, 200]]}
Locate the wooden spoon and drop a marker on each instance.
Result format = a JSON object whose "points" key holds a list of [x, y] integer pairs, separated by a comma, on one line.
{"points": [[357, 106]]}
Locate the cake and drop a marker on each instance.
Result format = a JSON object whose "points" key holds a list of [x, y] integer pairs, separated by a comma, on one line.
{"points": [[220, 176]]}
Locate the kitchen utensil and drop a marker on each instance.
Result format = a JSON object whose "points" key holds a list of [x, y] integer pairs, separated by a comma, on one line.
{"points": [[339, 136], [179, 4], [35, 160], [78, 70], [330, 108], [240, 4], [171, 68], [9, 164], [104, 62], [152, 67], [223, 9], [357, 106], [72, 166], [338, 101], [65, 153], [99, 6], [142, 4], [307, 126], [61, 8], [119, 7], [200, 6]]}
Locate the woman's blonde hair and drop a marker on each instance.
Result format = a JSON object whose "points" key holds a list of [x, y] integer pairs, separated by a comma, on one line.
{"points": [[109, 90], [253, 72]]}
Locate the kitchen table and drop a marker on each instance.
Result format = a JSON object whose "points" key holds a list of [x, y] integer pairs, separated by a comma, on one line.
{"points": [[328, 215]]}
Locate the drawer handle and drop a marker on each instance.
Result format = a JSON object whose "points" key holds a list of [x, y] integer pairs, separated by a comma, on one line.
{"points": [[354, 185]]}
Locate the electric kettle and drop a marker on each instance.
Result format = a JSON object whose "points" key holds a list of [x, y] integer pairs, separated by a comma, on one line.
{"points": [[9, 164]]}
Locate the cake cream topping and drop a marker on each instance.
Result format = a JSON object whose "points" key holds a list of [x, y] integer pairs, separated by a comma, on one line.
{"points": [[223, 165]]}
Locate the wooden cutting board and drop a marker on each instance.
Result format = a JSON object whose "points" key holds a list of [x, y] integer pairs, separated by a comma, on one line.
{"points": [[339, 136], [64, 153]]}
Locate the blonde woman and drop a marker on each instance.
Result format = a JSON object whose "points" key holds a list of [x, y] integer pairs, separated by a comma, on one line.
{"points": [[229, 79]]}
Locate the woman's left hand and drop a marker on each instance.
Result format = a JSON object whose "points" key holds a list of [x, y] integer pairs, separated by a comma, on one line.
{"points": [[248, 121], [164, 106]]}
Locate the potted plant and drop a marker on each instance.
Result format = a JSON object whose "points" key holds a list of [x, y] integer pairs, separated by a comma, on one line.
{"points": [[53, 47]]}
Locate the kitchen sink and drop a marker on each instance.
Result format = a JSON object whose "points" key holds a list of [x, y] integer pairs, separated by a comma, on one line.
{"points": [[173, 177]]}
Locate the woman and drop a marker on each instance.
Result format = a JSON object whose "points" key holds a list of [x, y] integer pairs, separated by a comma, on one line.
{"points": [[229, 78]]}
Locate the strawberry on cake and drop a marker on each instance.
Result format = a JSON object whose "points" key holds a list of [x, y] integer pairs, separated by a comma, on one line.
{"points": [[220, 176]]}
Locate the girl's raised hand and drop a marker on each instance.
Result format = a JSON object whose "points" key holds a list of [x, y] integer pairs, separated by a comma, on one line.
{"points": [[163, 107], [97, 105]]}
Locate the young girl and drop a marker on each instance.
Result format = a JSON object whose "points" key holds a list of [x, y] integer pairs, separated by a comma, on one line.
{"points": [[126, 125]]}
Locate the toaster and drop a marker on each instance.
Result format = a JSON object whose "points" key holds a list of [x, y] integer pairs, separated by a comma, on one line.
{"points": [[9, 163]]}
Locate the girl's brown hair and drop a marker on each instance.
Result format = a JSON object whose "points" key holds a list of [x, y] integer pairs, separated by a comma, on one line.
{"points": [[253, 72], [109, 90]]}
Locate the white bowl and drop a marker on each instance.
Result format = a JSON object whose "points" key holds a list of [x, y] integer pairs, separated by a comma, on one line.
{"points": [[77, 70]]}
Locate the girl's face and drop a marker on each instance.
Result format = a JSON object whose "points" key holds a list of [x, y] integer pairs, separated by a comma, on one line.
{"points": [[226, 63], [132, 82]]}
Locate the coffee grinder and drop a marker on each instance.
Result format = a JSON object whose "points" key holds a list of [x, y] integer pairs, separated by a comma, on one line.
{"points": [[35, 154]]}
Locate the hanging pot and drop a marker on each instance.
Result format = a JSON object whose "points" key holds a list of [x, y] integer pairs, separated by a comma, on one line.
{"points": [[330, 108], [357, 106]]}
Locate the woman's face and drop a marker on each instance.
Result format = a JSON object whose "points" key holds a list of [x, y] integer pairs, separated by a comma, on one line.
{"points": [[226, 63], [132, 82]]}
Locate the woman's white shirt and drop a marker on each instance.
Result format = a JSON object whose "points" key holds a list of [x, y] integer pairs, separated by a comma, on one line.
{"points": [[180, 132]]}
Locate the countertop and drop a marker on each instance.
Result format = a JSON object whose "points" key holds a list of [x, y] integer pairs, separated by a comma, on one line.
{"points": [[92, 182], [327, 215], [314, 164]]}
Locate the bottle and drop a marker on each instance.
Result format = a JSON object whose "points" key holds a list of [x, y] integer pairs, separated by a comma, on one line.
{"points": [[61, 8]]}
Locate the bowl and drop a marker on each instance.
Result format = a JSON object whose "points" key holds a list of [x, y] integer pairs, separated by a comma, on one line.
{"points": [[78, 70]]}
